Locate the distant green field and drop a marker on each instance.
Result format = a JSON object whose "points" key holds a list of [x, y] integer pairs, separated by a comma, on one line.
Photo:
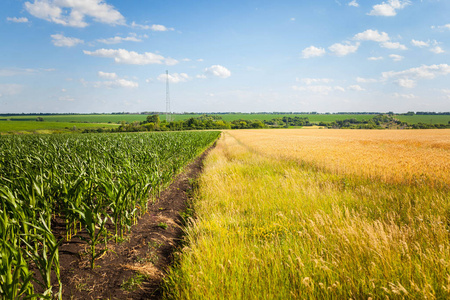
{"points": [[436, 119], [81, 118], [31, 126], [114, 118]]}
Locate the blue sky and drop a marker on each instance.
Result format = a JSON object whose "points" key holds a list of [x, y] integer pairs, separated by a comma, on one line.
{"points": [[244, 56]]}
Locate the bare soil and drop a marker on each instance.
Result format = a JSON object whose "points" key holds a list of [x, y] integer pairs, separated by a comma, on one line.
{"points": [[144, 256]]}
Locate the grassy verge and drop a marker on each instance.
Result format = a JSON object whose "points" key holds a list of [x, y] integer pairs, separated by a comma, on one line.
{"points": [[270, 228]]}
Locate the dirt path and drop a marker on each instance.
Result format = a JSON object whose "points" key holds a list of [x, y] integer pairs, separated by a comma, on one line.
{"points": [[147, 250]]}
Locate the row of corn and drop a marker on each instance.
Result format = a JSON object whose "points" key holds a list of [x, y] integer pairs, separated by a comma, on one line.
{"points": [[98, 183]]}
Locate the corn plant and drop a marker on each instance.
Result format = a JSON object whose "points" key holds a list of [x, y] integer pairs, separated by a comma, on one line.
{"points": [[15, 277], [45, 257]]}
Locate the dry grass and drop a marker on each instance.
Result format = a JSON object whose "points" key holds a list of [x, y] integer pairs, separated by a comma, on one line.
{"points": [[270, 226]]}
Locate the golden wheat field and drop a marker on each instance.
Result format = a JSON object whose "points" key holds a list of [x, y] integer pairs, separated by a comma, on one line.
{"points": [[319, 214], [391, 155]]}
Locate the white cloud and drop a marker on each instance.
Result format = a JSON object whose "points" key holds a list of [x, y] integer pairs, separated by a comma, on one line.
{"points": [[446, 26], [437, 50], [406, 83], [404, 96], [73, 13], [60, 40], [17, 20], [174, 77], [353, 3], [312, 52], [119, 39], [123, 56], [309, 81], [375, 58], [396, 57], [318, 89], [356, 87], [409, 77], [125, 83], [154, 27], [393, 45], [420, 43], [201, 76], [388, 9], [343, 49], [372, 35], [118, 83], [366, 80], [218, 71], [107, 75]]}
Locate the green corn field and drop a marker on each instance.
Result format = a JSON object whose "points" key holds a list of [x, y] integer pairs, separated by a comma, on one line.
{"points": [[85, 180]]}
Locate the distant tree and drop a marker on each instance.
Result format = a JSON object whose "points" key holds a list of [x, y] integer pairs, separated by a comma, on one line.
{"points": [[153, 119]]}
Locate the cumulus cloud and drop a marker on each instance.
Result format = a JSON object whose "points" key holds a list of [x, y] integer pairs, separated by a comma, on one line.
{"points": [[437, 50], [366, 80], [443, 27], [353, 3], [113, 81], [218, 71], [318, 89], [343, 49], [382, 38], [118, 83], [119, 39], [107, 75], [73, 13], [356, 87], [309, 81], [396, 57], [420, 43], [154, 27], [408, 78], [17, 20], [389, 8], [372, 35], [393, 45], [406, 82], [174, 77], [312, 52], [123, 56], [60, 40], [375, 58]]}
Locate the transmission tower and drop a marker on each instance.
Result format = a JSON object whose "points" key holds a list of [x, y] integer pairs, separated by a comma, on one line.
{"points": [[168, 113]]}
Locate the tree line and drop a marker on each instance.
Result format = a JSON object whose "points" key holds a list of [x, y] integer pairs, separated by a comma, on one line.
{"points": [[205, 122]]}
